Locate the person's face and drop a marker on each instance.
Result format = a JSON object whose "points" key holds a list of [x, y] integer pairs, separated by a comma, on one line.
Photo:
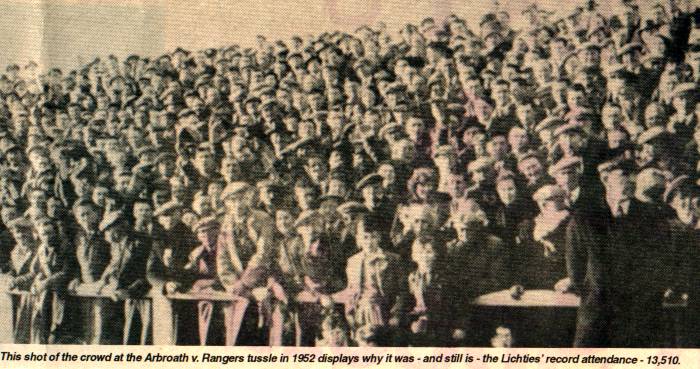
{"points": [[304, 197], [366, 240], [424, 189], [526, 114], [612, 117], [424, 257], [653, 116], [517, 139], [335, 121], [575, 98], [45, 232], [591, 57], [618, 184], [166, 168], [531, 169], [99, 195], [86, 217], [646, 153], [388, 174], [143, 212], [236, 206], [284, 221], [570, 142], [497, 148], [413, 128], [507, 191], [315, 169], [37, 199], [500, 94], [372, 195], [204, 161], [266, 195], [122, 183], [208, 236], [308, 232], [567, 178]]}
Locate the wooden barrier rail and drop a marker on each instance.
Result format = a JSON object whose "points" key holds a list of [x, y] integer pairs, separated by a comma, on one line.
{"points": [[164, 317]]}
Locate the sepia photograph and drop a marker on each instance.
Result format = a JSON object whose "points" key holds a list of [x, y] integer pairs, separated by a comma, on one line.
{"points": [[350, 173]]}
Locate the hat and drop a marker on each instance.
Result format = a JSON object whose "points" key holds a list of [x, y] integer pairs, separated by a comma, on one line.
{"points": [[351, 207], [370, 179], [235, 188], [677, 184], [109, 219], [395, 87], [392, 127], [479, 164], [614, 164], [651, 134], [145, 149], [444, 150], [19, 224], [306, 217], [686, 88], [568, 127], [549, 123], [564, 164], [168, 208], [588, 46], [267, 102], [527, 155], [548, 192], [205, 224], [628, 48]]}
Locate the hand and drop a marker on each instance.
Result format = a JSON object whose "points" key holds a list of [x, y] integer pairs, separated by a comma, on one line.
{"points": [[171, 287], [73, 285], [517, 291], [459, 334], [119, 294], [238, 289], [168, 257], [419, 326], [393, 322], [563, 286], [38, 287], [326, 301]]}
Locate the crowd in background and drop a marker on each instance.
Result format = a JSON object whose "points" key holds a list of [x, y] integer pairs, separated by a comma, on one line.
{"points": [[363, 188]]}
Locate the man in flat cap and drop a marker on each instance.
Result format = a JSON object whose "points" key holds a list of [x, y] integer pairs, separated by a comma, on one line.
{"points": [[244, 252], [379, 207], [615, 259], [125, 276], [93, 255]]}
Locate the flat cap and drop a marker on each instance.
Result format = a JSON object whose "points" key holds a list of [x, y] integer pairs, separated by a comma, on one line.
{"points": [[685, 89], [109, 219], [306, 217], [568, 127], [168, 208], [206, 224], [480, 164], [549, 123], [651, 134], [351, 207], [235, 188], [566, 163], [630, 47], [368, 180], [677, 184], [391, 127], [616, 163], [549, 192]]}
